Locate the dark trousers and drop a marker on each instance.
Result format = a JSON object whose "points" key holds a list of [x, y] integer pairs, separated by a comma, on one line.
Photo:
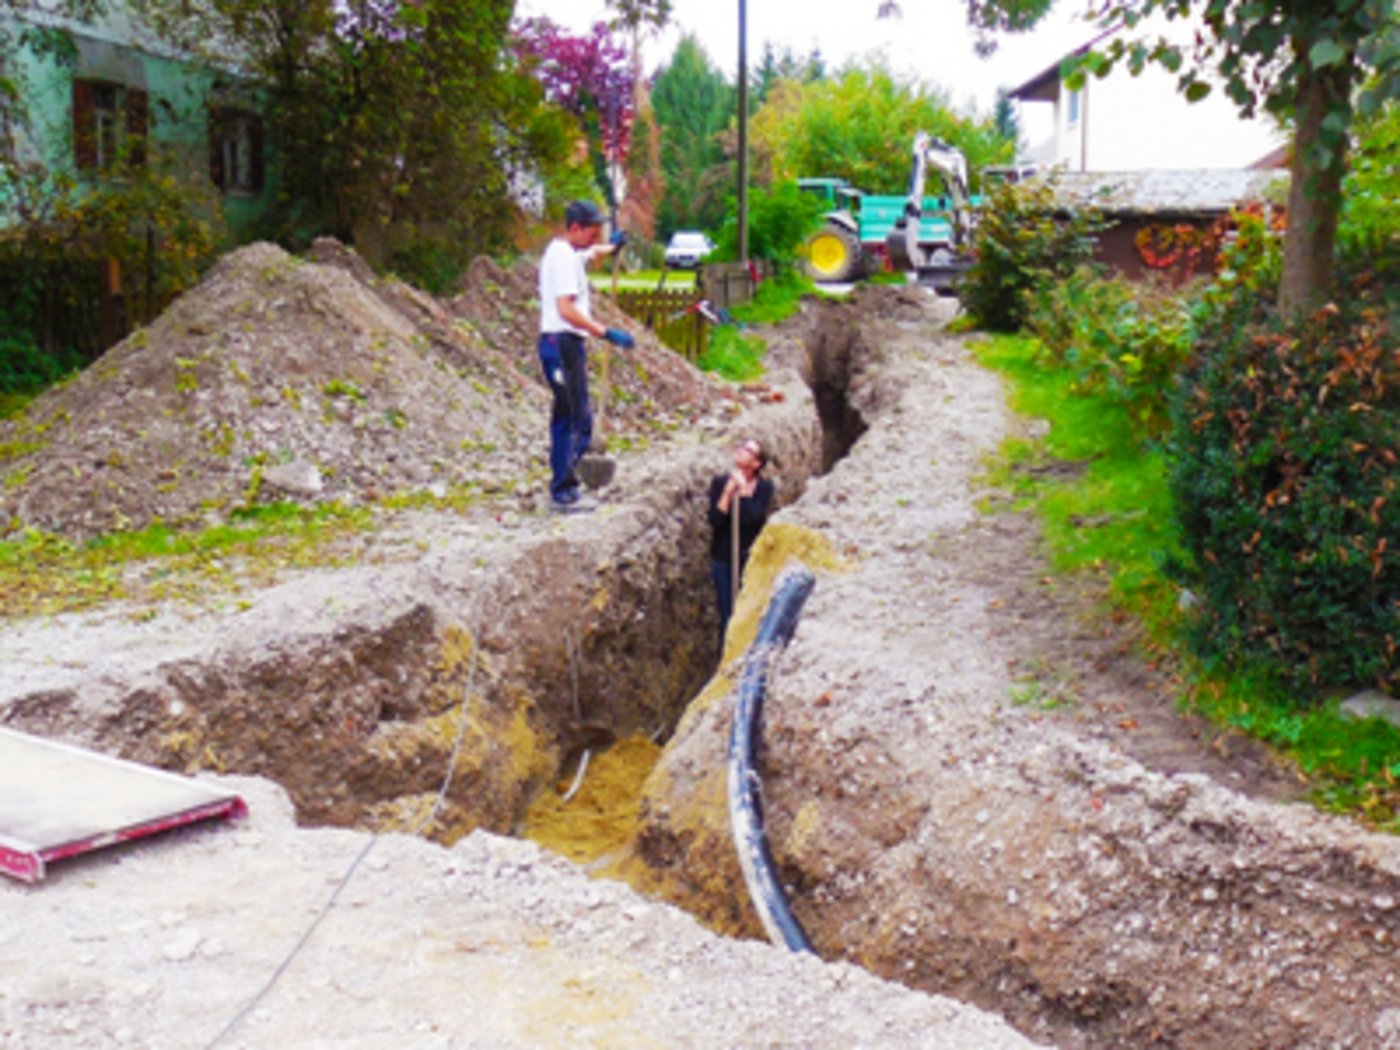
{"points": [[722, 573], [571, 420]]}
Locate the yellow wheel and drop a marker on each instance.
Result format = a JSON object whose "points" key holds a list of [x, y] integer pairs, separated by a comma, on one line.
{"points": [[833, 254]]}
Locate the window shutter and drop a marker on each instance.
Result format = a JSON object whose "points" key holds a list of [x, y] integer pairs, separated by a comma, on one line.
{"points": [[255, 151], [84, 127], [216, 146], [138, 105]]}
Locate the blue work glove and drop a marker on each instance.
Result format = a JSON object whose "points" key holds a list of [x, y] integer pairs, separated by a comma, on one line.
{"points": [[618, 239], [619, 338]]}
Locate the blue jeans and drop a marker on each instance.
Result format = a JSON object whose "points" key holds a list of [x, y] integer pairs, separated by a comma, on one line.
{"points": [[723, 575], [571, 420]]}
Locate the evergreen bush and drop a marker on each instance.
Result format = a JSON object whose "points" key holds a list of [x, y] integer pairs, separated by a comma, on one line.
{"points": [[1024, 239], [1285, 456]]}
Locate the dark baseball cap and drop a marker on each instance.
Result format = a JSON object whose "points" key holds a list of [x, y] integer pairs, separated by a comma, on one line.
{"points": [[583, 213]]}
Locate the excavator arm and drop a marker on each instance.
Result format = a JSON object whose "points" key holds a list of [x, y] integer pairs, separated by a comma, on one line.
{"points": [[936, 263]]}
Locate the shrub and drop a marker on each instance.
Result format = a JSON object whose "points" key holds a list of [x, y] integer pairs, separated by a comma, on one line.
{"points": [[1370, 222], [1023, 239], [1120, 341], [781, 219], [25, 368], [431, 263], [1284, 476]]}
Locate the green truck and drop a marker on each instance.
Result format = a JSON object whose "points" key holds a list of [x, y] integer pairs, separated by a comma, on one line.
{"points": [[865, 232], [852, 242]]}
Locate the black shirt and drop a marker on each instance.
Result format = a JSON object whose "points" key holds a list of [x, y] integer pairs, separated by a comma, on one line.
{"points": [[753, 513]]}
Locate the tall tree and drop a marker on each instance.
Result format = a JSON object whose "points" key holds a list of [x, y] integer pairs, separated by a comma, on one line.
{"points": [[644, 179], [860, 126], [589, 76], [1304, 60], [694, 103], [394, 123]]}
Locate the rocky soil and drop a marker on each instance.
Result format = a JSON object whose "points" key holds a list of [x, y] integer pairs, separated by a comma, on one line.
{"points": [[490, 944], [1103, 873]]}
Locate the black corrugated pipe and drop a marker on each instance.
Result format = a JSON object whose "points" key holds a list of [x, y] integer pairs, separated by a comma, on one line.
{"points": [[744, 789]]}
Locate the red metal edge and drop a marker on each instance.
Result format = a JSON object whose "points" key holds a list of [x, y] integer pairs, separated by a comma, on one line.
{"points": [[25, 866], [231, 808]]}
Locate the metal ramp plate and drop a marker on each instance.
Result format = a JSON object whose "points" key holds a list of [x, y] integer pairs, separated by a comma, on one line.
{"points": [[58, 801]]}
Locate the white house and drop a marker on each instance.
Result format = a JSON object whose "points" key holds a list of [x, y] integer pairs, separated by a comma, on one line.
{"points": [[1139, 123]]}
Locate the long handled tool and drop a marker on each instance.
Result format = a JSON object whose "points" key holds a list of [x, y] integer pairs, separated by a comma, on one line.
{"points": [[734, 568], [596, 469]]}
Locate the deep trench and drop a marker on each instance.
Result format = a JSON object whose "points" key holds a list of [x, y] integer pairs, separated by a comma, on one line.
{"points": [[829, 351], [358, 724]]}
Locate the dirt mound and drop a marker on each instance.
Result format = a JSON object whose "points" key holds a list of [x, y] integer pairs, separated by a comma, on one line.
{"points": [[282, 379], [649, 389]]}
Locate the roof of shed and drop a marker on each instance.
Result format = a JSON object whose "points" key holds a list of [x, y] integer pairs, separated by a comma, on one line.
{"points": [[1204, 191]]}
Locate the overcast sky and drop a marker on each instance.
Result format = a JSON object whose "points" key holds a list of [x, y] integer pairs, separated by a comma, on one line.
{"points": [[930, 41]]}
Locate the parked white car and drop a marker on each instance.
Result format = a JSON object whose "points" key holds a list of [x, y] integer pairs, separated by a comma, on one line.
{"points": [[687, 249]]}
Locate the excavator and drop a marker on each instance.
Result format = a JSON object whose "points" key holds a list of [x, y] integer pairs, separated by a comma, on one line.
{"points": [[928, 238], [936, 263]]}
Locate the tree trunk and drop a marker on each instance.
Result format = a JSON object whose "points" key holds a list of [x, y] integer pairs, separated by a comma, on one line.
{"points": [[1314, 197]]}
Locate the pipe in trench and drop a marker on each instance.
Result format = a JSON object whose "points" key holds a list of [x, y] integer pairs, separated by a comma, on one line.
{"points": [[744, 789]]}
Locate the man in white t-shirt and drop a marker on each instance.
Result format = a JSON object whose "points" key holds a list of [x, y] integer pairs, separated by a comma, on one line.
{"points": [[564, 324]]}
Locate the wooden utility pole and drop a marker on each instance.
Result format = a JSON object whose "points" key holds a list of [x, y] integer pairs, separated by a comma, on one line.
{"points": [[743, 134]]}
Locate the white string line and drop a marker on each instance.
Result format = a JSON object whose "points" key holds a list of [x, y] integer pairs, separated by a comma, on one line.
{"points": [[463, 721]]}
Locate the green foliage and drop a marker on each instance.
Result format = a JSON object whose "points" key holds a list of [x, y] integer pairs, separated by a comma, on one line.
{"points": [[780, 221], [860, 126], [1370, 222], [693, 104], [25, 368], [431, 263], [393, 125], [1023, 240], [1123, 342], [160, 226], [1285, 483], [1106, 509], [777, 299], [733, 355]]}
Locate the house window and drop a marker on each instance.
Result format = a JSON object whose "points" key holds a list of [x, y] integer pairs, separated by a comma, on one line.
{"points": [[109, 126], [235, 150], [1074, 107]]}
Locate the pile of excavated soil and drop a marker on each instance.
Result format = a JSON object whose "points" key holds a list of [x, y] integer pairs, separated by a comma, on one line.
{"points": [[282, 379], [968, 789]]}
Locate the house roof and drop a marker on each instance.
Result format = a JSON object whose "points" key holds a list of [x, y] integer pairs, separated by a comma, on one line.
{"points": [[1045, 85], [1198, 192]]}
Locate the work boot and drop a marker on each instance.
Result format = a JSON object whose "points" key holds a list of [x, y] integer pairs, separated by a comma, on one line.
{"points": [[572, 503]]}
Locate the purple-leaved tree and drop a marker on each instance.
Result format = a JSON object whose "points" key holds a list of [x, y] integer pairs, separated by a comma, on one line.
{"points": [[590, 77]]}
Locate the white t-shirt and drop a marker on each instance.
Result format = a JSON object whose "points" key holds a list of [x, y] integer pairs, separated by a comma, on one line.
{"points": [[562, 272]]}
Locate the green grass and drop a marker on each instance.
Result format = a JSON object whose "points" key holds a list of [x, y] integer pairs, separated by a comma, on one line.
{"points": [[45, 574], [602, 279], [13, 404], [1106, 510], [733, 355], [777, 299]]}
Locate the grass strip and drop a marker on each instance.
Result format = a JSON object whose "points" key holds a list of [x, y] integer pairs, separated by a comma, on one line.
{"points": [[1106, 508]]}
